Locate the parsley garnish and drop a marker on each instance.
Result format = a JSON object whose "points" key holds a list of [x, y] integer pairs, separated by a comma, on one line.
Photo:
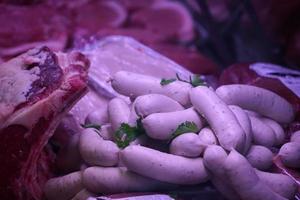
{"points": [[91, 125], [126, 133], [194, 80], [185, 127], [167, 81]]}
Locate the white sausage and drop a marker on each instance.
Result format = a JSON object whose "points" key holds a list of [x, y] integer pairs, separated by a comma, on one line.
{"points": [[133, 117], [97, 151], [220, 118], [296, 137], [83, 195], [155, 103], [290, 154], [119, 112], [259, 100], [187, 145], [213, 159], [207, 136], [164, 167], [64, 187], [134, 85], [99, 116], [262, 133], [245, 123], [110, 180], [260, 157], [279, 183], [277, 129], [252, 113], [162, 125], [244, 180]]}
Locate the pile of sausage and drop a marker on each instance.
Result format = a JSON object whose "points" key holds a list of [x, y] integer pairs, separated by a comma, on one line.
{"points": [[237, 130]]}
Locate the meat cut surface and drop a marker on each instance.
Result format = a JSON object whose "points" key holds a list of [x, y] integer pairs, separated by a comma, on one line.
{"points": [[37, 88]]}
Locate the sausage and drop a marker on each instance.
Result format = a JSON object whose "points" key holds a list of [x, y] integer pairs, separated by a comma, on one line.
{"points": [[119, 112], [99, 116], [245, 123], [242, 177], [161, 125], [252, 113], [83, 195], [97, 151], [64, 187], [207, 136], [110, 180], [262, 133], [260, 157], [296, 137], [155, 103], [187, 145], [262, 101], [290, 154], [279, 183], [220, 118], [277, 129], [134, 85], [213, 159], [163, 166]]}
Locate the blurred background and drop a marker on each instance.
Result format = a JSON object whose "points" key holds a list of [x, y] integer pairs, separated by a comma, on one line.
{"points": [[205, 36]]}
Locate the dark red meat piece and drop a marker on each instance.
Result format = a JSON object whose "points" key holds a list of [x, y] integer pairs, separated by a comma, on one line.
{"points": [[37, 89]]}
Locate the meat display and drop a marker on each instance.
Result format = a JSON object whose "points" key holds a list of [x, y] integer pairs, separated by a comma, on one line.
{"points": [[37, 89], [113, 99]]}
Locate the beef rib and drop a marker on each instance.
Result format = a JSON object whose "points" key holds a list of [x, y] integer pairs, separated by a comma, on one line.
{"points": [[37, 88]]}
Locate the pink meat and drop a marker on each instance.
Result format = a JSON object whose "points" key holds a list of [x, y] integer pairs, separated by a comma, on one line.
{"points": [[96, 15], [38, 88], [170, 19], [188, 58], [26, 27]]}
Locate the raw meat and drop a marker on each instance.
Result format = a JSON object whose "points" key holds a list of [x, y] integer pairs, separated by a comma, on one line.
{"points": [[188, 58], [96, 15], [37, 89], [170, 19], [26, 27]]}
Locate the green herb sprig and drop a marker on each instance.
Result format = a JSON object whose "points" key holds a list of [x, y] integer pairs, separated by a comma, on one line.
{"points": [[167, 81], [194, 80], [185, 127], [126, 133]]}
